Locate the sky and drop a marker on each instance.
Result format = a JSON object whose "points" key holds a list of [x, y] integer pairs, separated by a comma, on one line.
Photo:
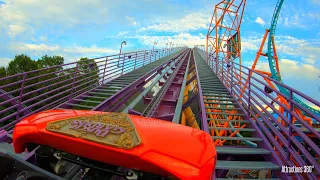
{"points": [[93, 28]]}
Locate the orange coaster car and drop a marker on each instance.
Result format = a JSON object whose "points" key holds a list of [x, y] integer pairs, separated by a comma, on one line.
{"points": [[115, 142]]}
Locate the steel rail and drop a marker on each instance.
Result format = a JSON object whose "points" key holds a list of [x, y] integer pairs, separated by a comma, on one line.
{"points": [[155, 81], [106, 104], [268, 129], [178, 110], [154, 104]]}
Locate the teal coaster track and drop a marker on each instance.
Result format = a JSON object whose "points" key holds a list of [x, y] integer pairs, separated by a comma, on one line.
{"points": [[270, 53], [271, 60]]}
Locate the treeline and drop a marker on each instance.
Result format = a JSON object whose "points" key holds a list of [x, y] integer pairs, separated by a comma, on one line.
{"points": [[22, 63], [55, 84]]}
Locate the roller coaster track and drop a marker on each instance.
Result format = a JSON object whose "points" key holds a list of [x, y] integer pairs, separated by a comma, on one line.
{"points": [[183, 88], [271, 59], [215, 101], [109, 95], [222, 94], [151, 109], [117, 92]]}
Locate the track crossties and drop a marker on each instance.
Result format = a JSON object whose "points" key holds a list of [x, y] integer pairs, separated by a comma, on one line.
{"points": [[106, 97], [229, 127]]}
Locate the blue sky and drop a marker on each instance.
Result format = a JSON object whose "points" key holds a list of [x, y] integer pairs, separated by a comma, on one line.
{"points": [[91, 28]]}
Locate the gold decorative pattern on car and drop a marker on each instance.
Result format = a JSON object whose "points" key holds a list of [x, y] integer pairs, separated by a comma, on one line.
{"points": [[114, 129]]}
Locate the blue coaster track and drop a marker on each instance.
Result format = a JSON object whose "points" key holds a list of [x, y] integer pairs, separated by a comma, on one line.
{"points": [[271, 60]]}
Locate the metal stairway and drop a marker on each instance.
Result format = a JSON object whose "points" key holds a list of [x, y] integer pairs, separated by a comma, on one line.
{"points": [[96, 96], [220, 106], [244, 141]]}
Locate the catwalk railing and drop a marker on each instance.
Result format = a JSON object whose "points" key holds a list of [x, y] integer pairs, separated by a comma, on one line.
{"points": [[24, 94], [284, 125]]}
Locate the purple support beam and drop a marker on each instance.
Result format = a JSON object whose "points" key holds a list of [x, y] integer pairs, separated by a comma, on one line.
{"points": [[134, 112], [3, 135], [127, 95], [107, 73], [114, 108], [56, 79], [168, 91], [106, 104], [86, 93], [267, 130], [13, 101], [205, 126]]}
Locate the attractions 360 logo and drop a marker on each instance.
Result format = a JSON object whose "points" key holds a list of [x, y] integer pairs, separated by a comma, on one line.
{"points": [[297, 169]]}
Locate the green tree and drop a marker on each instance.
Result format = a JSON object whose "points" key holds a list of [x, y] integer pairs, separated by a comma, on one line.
{"points": [[88, 67], [48, 61], [20, 64], [3, 72], [23, 63]]}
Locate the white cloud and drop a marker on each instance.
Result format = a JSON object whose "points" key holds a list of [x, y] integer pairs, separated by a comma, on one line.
{"points": [[294, 17], [250, 43], [182, 38], [315, 16], [74, 12], [14, 30], [248, 46], [122, 33], [260, 21], [25, 47], [131, 20], [70, 53], [293, 69], [309, 60], [316, 2], [92, 49], [66, 12], [193, 21], [307, 50], [293, 21], [30, 16], [43, 38], [4, 61]]}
